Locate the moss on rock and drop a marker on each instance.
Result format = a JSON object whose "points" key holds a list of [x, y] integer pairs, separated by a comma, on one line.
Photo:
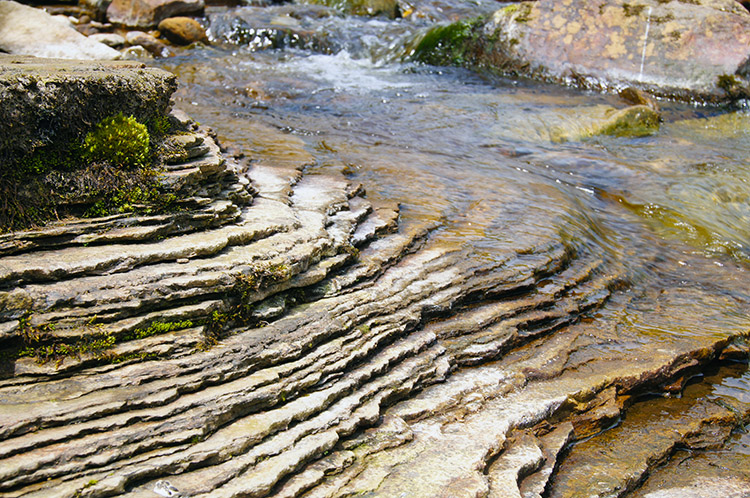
{"points": [[119, 140], [448, 45]]}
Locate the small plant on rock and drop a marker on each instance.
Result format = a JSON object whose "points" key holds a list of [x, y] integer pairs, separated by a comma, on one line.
{"points": [[119, 140]]}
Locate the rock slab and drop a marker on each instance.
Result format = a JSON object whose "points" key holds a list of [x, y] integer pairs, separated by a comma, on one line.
{"points": [[684, 50], [47, 101], [25, 30]]}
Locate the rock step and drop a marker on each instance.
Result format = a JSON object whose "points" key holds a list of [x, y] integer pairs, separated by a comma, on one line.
{"points": [[651, 431]]}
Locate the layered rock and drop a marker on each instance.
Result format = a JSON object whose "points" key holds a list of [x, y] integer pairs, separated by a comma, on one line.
{"points": [[684, 50], [302, 347], [25, 30], [284, 334]]}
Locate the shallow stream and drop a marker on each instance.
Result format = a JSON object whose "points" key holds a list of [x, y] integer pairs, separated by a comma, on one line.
{"points": [[494, 162]]}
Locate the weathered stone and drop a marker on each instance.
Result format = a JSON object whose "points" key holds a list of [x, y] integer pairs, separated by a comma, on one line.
{"points": [[52, 102], [182, 30], [682, 50], [149, 13], [111, 39], [149, 42], [25, 30]]}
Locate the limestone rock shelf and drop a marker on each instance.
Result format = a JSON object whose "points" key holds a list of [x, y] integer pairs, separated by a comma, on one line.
{"points": [[287, 337]]}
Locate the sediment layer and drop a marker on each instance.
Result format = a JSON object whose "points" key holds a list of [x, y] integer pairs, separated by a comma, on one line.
{"points": [[287, 336]]}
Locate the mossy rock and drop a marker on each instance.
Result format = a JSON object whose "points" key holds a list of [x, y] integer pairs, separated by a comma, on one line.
{"points": [[635, 121], [52, 103], [446, 45]]}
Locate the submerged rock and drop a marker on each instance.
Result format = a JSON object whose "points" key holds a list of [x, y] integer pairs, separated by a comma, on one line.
{"points": [[683, 50], [270, 27], [25, 30]]}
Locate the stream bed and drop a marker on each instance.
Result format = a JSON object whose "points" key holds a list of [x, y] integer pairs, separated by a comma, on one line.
{"points": [[487, 162], [480, 157], [394, 280]]}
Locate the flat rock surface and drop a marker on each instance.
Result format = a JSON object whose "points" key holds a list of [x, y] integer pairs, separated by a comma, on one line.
{"points": [[676, 49], [52, 101]]}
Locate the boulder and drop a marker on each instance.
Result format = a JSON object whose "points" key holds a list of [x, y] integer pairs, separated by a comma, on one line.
{"points": [[696, 50], [182, 30], [149, 13], [25, 30], [45, 102]]}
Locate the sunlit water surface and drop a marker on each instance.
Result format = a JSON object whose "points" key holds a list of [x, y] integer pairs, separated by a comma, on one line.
{"points": [[479, 155]]}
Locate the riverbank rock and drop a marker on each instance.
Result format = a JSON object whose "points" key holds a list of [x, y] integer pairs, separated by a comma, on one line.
{"points": [[681, 50], [149, 13], [46, 102], [182, 30], [25, 30]]}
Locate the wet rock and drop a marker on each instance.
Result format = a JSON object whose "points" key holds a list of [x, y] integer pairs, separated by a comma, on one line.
{"points": [[29, 31], [182, 30], [136, 52], [97, 8], [149, 42], [149, 13], [682, 50], [48, 102], [577, 123]]}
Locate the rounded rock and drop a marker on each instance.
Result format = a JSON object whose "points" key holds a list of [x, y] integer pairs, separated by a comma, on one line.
{"points": [[182, 30]]}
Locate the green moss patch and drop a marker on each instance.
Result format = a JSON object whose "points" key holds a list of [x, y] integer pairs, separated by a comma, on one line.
{"points": [[449, 45], [118, 140], [112, 169]]}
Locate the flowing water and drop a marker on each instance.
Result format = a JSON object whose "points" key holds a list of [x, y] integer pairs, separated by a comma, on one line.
{"points": [[494, 162]]}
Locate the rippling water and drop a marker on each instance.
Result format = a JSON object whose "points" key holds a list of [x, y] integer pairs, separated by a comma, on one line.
{"points": [[483, 155]]}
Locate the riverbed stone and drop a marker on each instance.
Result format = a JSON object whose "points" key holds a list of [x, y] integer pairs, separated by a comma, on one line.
{"points": [[149, 13], [28, 31], [45, 102], [680, 50], [111, 39], [182, 30], [149, 42]]}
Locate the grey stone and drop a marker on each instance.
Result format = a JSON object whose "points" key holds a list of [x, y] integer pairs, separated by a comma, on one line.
{"points": [[111, 39], [25, 30]]}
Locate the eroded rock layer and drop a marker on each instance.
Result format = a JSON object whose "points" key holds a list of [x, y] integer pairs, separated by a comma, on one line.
{"points": [[302, 343]]}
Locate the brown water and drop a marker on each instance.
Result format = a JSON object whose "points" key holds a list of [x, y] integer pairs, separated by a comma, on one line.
{"points": [[481, 156]]}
